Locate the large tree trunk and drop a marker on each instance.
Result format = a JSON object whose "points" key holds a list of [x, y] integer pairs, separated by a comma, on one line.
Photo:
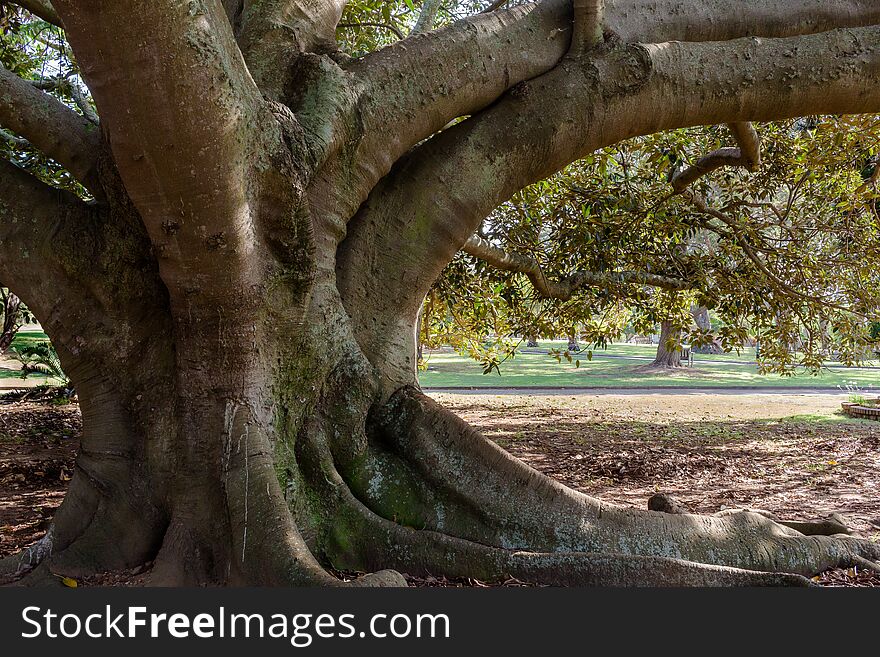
{"points": [[669, 347], [249, 277], [262, 452]]}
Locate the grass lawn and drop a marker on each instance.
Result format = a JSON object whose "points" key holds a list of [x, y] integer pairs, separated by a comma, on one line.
{"points": [[611, 368], [25, 338], [615, 368]]}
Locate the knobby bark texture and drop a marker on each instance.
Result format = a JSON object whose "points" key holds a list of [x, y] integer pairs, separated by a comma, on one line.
{"points": [[267, 218]]}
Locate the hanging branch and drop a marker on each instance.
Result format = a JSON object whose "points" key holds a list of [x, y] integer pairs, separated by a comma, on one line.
{"points": [[747, 155], [565, 288]]}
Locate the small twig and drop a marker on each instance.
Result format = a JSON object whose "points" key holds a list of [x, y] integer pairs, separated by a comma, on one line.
{"points": [[746, 155], [387, 26]]}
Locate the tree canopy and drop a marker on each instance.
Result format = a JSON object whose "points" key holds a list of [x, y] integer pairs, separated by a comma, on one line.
{"points": [[784, 254]]}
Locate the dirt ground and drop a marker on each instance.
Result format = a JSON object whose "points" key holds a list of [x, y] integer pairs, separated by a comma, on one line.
{"points": [[38, 443], [791, 454]]}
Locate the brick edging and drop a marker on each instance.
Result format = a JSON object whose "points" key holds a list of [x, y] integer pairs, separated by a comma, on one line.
{"points": [[857, 410]]}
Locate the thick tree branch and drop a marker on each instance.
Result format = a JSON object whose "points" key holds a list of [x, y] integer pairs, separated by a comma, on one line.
{"points": [[185, 123], [747, 156], [41, 9], [471, 63], [413, 88], [409, 230], [674, 20], [526, 34], [31, 216], [565, 288], [589, 16], [274, 33], [52, 127]]}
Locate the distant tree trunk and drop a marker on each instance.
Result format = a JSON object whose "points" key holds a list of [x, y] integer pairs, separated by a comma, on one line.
{"points": [[419, 346], [532, 341], [11, 321], [701, 319], [668, 350], [572, 341]]}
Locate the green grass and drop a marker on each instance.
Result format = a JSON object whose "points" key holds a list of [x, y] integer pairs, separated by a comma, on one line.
{"points": [[25, 338], [608, 369]]}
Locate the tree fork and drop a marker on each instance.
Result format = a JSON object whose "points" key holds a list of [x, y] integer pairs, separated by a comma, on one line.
{"points": [[520, 509]]}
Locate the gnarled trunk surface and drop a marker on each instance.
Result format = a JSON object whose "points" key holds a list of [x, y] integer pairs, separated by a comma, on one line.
{"points": [[265, 228]]}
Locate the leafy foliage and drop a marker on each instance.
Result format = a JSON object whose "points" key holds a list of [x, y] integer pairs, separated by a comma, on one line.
{"points": [[41, 359], [367, 25], [791, 262], [38, 51]]}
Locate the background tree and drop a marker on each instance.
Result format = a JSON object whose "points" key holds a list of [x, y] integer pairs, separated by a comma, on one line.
{"points": [[259, 221], [785, 254], [14, 314]]}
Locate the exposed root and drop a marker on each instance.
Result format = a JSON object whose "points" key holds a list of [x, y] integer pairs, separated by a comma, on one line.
{"points": [[865, 563], [425, 494], [479, 494], [427, 552], [833, 525], [268, 548]]}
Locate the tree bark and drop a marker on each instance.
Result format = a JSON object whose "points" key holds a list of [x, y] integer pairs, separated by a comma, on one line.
{"points": [[668, 347], [701, 319]]}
